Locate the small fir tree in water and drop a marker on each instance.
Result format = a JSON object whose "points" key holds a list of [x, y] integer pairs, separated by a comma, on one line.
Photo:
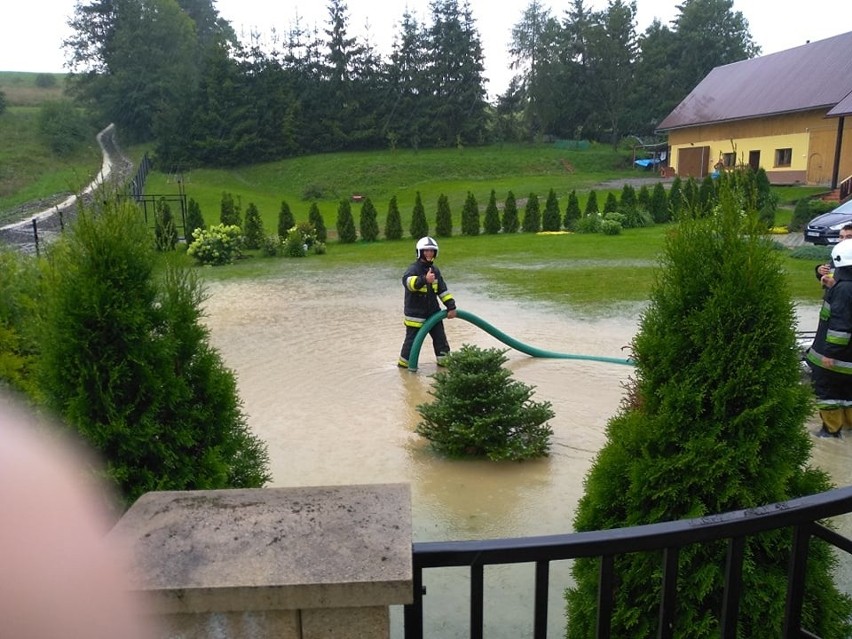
{"points": [[491, 223], [443, 217], [511, 222], [393, 221], [480, 411], [714, 422]]}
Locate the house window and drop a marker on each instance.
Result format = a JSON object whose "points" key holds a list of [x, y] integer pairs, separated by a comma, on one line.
{"points": [[729, 159], [783, 157]]}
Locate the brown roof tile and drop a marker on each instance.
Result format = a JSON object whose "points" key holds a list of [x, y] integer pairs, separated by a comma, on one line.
{"points": [[813, 76]]}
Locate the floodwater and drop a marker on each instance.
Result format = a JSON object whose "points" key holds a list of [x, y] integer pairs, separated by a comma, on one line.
{"points": [[315, 354]]}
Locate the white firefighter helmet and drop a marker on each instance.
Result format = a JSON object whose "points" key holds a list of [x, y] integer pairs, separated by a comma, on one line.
{"points": [[426, 243], [841, 254]]}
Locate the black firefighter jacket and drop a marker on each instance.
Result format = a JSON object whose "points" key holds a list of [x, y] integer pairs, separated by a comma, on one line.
{"points": [[421, 300]]}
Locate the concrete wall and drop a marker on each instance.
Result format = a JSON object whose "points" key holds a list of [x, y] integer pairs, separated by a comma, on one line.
{"points": [[290, 563]]}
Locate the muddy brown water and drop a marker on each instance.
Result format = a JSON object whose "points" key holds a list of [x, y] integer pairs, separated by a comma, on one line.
{"points": [[315, 357]]}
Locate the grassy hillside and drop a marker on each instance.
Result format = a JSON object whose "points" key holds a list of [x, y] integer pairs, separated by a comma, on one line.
{"points": [[29, 170]]}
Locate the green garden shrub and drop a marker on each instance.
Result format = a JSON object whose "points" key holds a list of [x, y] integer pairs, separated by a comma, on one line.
{"points": [[272, 245], [229, 211], [610, 203], [658, 207], [253, 230], [443, 217], [470, 216], [316, 220], [643, 197], [20, 284], [369, 221], [491, 222], [551, 220], [713, 421], [125, 362], [532, 215], [346, 233], [590, 223], [393, 221], [480, 411], [676, 203], [294, 244], [217, 245], [194, 220], [511, 222], [419, 226], [286, 221], [591, 204], [611, 227], [165, 233], [572, 211]]}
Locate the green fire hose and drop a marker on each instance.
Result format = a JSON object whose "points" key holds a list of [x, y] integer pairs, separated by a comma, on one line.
{"points": [[414, 357]]}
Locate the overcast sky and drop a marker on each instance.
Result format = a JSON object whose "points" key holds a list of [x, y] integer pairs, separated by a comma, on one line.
{"points": [[31, 31]]}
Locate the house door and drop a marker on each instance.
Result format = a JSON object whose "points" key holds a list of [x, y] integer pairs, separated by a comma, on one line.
{"points": [[693, 162], [754, 159]]}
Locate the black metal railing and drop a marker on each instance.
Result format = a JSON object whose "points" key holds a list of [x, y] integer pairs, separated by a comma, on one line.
{"points": [[801, 515], [845, 188]]}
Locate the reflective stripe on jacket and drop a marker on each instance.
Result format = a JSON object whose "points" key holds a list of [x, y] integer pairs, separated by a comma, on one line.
{"points": [[421, 299]]}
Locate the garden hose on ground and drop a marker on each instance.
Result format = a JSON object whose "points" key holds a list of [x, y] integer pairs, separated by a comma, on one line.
{"points": [[414, 357]]}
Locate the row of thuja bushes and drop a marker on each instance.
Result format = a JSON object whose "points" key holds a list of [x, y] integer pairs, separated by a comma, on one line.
{"points": [[224, 242]]}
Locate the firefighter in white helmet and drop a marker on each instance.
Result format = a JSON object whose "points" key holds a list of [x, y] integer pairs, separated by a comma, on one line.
{"points": [[830, 355], [424, 288]]}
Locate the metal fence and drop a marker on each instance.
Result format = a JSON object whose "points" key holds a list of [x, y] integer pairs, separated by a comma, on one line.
{"points": [[802, 516]]}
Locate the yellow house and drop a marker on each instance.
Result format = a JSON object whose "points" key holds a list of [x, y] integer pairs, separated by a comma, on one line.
{"points": [[785, 112]]}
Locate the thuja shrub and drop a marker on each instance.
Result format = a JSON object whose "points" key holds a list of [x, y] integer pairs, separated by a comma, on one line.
{"points": [[194, 219], [286, 221], [316, 220], [346, 233], [480, 411], [511, 221], [551, 220], [444, 217], [229, 210], [419, 226], [393, 221], [532, 215], [470, 216], [369, 221], [491, 221], [714, 422], [165, 233], [572, 211], [253, 230], [125, 362], [217, 245]]}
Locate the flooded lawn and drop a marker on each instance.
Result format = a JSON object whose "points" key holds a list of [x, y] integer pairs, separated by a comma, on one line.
{"points": [[315, 357]]}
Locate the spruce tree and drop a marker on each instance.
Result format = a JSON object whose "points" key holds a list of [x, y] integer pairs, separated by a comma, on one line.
{"points": [[658, 207], [346, 233], [511, 223], [552, 218], [194, 220], [368, 221], [714, 422], [491, 222], [572, 211], [443, 217], [419, 226], [286, 221], [393, 221], [532, 215], [470, 215], [253, 232], [316, 220], [125, 362]]}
